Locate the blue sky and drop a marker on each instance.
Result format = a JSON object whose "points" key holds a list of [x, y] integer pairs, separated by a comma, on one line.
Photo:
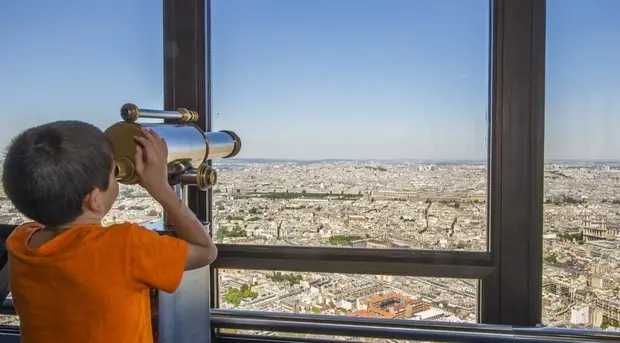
{"points": [[312, 79]]}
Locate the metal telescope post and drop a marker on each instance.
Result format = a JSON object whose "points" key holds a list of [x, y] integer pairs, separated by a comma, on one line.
{"points": [[183, 316]]}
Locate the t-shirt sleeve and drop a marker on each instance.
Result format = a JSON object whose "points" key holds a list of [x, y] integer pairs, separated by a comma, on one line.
{"points": [[156, 261]]}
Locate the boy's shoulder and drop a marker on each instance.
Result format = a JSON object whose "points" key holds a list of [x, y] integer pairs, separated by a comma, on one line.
{"points": [[127, 232], [116, 232], [129, 229], [132, 234], [120, 228], [22, 232], [17, 240]]}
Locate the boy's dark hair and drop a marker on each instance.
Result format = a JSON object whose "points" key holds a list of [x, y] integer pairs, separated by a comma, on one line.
{"points": [[49, 169]]}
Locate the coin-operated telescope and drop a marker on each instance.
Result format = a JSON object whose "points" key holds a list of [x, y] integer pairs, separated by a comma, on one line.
{"points": [[189, 148], [181, 317]]}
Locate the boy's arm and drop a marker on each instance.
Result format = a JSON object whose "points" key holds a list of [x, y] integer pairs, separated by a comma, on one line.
{"points": [[156, 261], [152, 170], [159, 261], [201, 251]]}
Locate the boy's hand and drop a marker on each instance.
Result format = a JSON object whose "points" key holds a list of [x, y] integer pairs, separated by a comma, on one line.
{"points": [[151, 162]]}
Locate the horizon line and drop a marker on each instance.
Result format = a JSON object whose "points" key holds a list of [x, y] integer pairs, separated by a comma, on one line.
{"points": [[416, 159]]}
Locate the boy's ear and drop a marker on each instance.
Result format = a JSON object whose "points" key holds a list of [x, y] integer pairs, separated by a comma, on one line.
{"points": [[92, 200]]}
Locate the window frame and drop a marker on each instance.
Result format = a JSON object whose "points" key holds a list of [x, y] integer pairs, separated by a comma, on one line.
{"points": [[512, 293]]}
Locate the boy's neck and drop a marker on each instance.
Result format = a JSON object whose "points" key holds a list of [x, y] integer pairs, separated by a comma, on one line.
{"points": [[49, 232], [84, 219]]}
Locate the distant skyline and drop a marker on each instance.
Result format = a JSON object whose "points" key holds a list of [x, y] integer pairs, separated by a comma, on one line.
{"points": [[316, 79]]}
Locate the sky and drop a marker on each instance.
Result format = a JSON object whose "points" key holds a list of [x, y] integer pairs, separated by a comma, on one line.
{"points": [[316, 79]]}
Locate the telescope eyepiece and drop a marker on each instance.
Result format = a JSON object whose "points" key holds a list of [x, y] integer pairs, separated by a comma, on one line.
{"points": [[124, 169]]}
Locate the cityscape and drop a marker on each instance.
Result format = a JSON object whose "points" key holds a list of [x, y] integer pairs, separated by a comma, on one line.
{"points": [[401, 204], [336, 83]]}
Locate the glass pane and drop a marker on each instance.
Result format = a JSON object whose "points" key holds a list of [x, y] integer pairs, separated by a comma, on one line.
{"points": [[582, 193], [80, 60], [364, 123], [352, 295]]}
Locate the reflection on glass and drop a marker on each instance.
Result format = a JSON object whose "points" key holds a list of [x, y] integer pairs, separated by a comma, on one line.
{"points": [[80, 61], [582, 194], [364, 123], [352, 295]]}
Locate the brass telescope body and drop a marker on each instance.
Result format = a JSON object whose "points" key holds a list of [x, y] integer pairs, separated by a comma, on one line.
{"points": [[189, 148]]}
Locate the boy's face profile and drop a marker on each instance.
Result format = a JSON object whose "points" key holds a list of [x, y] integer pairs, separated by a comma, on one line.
{"points": [[100, 202]]}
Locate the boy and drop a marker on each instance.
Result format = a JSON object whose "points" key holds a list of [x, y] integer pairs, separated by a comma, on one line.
{"points": [[73, 280]]}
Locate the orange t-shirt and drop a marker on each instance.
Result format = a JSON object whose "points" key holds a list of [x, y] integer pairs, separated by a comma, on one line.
{"points": [[91, 283]]}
